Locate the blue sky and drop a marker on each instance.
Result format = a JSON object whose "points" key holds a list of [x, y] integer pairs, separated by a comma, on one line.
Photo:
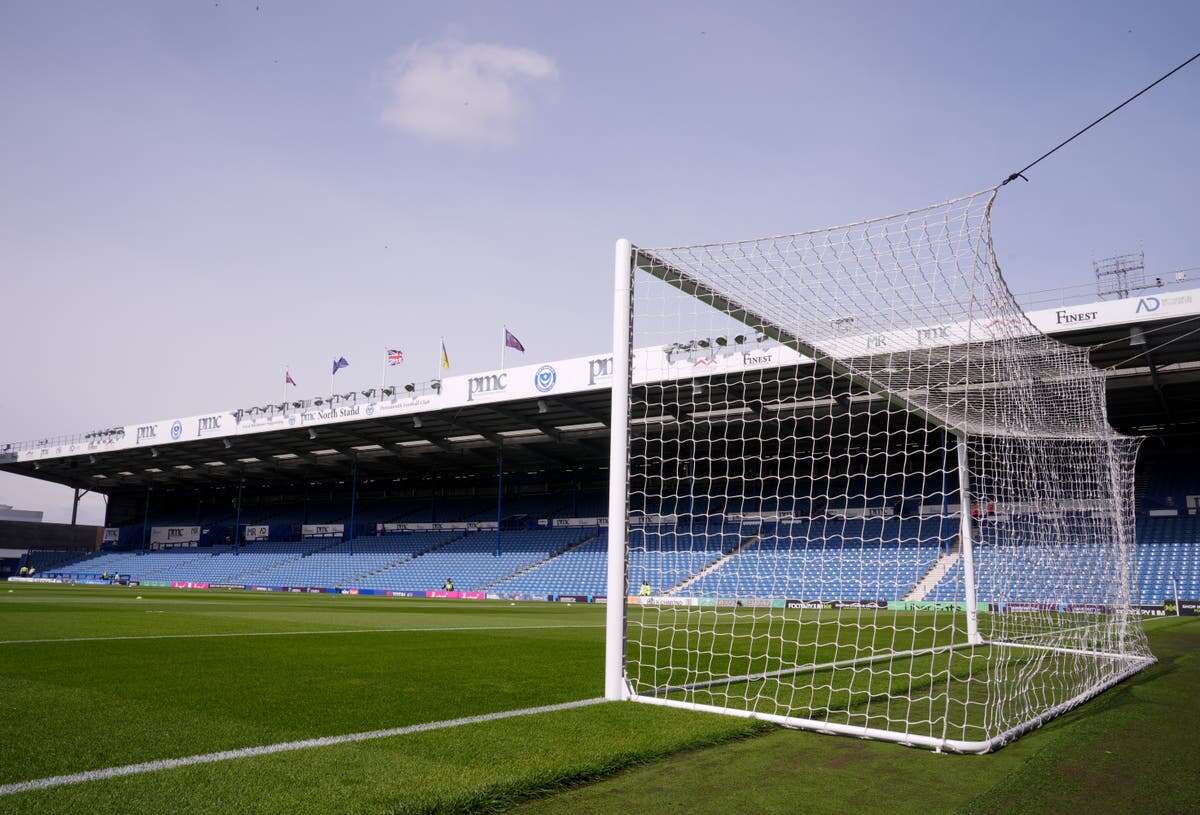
{"points": [[196, 193]]}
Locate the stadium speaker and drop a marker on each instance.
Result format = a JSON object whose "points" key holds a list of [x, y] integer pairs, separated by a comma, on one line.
{"points": [[436, 385], [312, 433], [722, 341], [369, 393], [410, 387], [740, 339], [542, 406], [228, 444], [296, 404], [153, 453], [416, 421]]}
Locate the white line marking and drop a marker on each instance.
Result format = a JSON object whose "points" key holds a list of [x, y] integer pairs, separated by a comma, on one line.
{"points": [[282, 747], [296, 633]]}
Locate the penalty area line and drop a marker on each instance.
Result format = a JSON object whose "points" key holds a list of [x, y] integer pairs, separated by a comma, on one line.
{"points": [[282, 747], [297, 633]]}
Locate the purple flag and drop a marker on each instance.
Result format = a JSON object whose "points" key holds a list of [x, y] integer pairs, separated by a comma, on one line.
{"points": [[511, 341]]}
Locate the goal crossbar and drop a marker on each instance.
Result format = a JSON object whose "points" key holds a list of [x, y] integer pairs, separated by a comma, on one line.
{"points": [[646, 261]]}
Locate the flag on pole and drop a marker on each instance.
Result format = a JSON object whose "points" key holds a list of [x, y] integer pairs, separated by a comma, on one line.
{"points": [[394, 356], [287, 379], [511, 341], [338, 364], [445, 357]]}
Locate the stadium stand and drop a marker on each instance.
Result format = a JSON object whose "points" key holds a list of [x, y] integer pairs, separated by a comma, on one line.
{"points": [[830, 558], [47, 560], [1168, 558], [825, 556], [352, 562], [580, 570], [471, 560]]}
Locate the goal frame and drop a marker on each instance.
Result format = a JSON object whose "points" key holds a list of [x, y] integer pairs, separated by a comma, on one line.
{"points": [[616, 685]]}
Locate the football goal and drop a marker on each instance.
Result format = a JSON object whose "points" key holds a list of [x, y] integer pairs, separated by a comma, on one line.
{"points": [[853, 489]]}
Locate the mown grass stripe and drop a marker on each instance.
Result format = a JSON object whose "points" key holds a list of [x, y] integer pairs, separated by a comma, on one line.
{"points": [[297, 633], [281, 747]]}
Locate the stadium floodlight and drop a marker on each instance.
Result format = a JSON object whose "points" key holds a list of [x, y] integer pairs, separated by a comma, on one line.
{"points": [[905, 517]]}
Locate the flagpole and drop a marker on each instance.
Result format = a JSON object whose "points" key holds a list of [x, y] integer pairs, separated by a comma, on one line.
{"points": [[383, 377], [503, 342]]}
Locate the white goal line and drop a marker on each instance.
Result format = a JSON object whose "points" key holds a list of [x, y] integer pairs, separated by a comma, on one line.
{"points": [[281, 747]]}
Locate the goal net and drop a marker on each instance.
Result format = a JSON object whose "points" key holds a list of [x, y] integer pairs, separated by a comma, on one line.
{"points": [[855, 490]]}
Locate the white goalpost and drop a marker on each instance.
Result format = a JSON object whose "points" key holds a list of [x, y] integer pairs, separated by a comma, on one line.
{"points": [[854, 490]]}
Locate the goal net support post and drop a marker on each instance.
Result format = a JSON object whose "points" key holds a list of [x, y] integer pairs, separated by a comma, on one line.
{"points": [[618, 499], [966, 543], [854, 490]]}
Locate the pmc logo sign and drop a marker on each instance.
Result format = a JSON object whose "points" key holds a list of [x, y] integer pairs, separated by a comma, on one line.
{"points": [[544, 379]]}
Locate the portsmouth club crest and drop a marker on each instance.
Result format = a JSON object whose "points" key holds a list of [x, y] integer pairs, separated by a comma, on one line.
{"points": [[544, 378], [176, 430]]}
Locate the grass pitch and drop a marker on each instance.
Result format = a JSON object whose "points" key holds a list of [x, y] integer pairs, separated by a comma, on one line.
{"points": [[94, 677]]}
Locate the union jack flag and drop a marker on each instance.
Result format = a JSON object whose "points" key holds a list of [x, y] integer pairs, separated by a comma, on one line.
{"points": [[394, 356]]}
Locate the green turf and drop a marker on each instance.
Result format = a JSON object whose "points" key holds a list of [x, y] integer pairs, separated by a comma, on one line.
{"points": [[330, 665], [104, 702], [1132, 749]]}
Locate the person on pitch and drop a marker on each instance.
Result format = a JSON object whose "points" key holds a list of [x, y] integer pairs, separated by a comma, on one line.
{"points": [[448, 585]]}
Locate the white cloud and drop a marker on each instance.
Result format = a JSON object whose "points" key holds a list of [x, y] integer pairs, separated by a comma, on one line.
{"points": [[466, 93]]}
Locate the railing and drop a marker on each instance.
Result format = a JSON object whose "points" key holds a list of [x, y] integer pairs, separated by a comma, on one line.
{"points": [[352, 397], [1029, 301], [1086, 292], [62, 441]]}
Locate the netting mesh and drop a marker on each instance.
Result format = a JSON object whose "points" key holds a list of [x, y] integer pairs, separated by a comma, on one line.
{"points": [[806, 414]]}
